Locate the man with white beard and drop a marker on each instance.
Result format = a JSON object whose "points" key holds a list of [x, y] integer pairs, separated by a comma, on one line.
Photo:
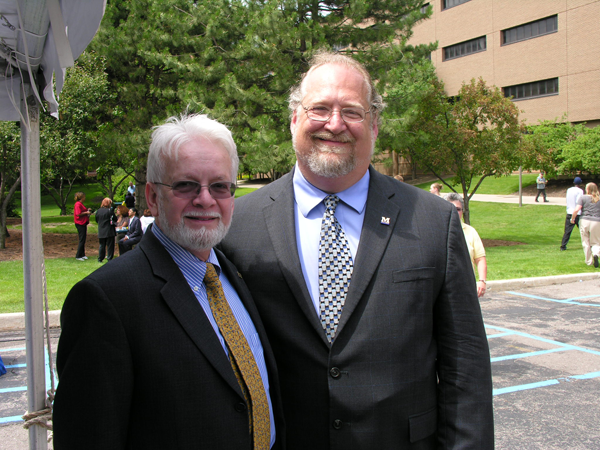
{"points": [[167, 337]]}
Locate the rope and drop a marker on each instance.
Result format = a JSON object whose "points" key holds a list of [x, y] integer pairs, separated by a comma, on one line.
{"points": [[44, 416]]}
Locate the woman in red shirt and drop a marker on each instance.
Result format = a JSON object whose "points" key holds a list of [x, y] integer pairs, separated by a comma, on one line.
{"points": [[82, 218]]}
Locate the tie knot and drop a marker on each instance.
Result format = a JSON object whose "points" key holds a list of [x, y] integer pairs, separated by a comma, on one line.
{"points": [[211, 274], [331, 202]]}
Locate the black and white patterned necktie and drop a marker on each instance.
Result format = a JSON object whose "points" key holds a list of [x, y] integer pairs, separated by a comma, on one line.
{"points": [[335, 268]]}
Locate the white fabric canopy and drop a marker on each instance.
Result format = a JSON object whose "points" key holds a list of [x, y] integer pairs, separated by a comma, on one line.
{"points": [[39, 39]]}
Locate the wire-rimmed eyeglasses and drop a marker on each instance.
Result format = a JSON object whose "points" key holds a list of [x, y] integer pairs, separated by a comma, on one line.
{"points": [[190, 189], [354, 114]]}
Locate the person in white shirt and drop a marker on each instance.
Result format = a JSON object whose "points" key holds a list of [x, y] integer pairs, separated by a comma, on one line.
{"points": [[573, 194]]}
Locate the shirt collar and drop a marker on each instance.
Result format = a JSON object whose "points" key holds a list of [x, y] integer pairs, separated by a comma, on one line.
{"points": [[181, 256], [308, 196]]}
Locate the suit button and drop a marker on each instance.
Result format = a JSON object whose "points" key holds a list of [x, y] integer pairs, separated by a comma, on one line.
{"points": [[240, 407], [337, 424], [335, 372]]}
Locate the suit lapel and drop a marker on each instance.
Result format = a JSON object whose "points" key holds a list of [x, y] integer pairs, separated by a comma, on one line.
{"points": [[186, 309], [373, 243], [280, 220]]}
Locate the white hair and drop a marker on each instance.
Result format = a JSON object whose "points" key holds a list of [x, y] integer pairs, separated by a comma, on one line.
{"points": [[168, 138]]}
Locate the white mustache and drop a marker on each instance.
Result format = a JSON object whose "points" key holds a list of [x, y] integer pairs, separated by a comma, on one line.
{"points": [[342, 137], [203, 214]]}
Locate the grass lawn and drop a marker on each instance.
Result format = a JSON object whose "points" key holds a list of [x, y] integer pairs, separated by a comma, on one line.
{"points": [[497, 186], [538, 229]]}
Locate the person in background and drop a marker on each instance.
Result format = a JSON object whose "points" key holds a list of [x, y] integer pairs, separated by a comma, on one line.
{"points": [[146, 220], [105, 217], [541, 183], [589, 223], [129, 200], [364, 285], [82, 219], [436, 188], [131, 188], [474, 244], [122, 224], [134, 233], [573, 194]]}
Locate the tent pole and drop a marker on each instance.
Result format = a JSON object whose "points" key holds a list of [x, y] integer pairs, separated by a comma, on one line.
{"points": [[32, 265]]}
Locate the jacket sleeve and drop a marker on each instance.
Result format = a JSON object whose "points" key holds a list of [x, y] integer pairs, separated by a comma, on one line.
{"points": [[92, 402], [465, 415]]}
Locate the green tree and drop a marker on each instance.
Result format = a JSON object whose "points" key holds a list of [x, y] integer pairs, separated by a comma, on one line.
{"points": [[69, 146], [10, 171], [236, 61], [476, 134], [548, 139], [582, 153]]}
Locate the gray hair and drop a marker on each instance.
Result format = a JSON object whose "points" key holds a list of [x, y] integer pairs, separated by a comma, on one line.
{"points": [[321, 58], [168, 138], [454, 197]]}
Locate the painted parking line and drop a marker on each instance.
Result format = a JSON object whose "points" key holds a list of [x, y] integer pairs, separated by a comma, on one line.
{"points": [[568, 301], [560, 346], [14, 419]]}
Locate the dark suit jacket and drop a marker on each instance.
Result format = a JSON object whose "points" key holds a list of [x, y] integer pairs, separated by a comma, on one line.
{"points": [[135, 232], [411, 315], [103, 217], [140, 366]]}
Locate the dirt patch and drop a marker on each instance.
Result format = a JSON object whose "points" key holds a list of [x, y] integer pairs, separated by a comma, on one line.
{"points": [[55, 245], [499, 243]]}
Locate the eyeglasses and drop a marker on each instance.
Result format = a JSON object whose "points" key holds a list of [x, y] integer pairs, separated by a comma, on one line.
{"points": [[356, 114], [190, 189]]}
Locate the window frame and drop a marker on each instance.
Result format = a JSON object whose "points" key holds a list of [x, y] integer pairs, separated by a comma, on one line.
{"points": [[466, 53], [523, 87], [523, 28], [456, 3]]}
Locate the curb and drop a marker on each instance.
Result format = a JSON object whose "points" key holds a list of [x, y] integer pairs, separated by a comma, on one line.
{"points": [[16, 321], [522, 283]]}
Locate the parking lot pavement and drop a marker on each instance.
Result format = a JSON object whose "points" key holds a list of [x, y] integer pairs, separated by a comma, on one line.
{"points": [[545, 352]]}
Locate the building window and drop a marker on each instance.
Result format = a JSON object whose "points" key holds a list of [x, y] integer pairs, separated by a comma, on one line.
{"points": [[450, 3], [530, 30], [424, 8], [465, 48], [532, 90]]}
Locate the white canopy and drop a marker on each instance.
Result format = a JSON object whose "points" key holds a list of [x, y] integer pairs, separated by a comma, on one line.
{"points": [[39, 39]]}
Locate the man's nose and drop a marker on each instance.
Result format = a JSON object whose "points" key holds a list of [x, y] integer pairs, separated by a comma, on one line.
{"points": [[336, 123]]}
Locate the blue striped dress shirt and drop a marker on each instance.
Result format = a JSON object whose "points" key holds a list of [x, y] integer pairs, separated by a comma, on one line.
{"points": [[193, 269]]}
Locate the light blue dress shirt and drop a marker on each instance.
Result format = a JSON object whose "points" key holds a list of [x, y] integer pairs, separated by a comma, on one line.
{"points": [[194, 269], [309, 209]]}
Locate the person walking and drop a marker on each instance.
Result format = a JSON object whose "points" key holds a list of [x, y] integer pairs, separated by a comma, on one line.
{"points": [[541, 186], [106, 219], [82, 219], [573, 194], [589, 223]]}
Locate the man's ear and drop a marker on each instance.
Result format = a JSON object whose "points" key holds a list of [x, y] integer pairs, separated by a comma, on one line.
{"points": [[294, 122], [152, 198]]}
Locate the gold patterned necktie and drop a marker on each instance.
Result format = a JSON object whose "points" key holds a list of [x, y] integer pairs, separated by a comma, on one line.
{"points": [[242, 361]]}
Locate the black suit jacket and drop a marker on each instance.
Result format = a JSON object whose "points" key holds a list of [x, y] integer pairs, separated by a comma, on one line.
{"points": [[410, 367], [103, 218], [135, 232], [140, 366]]}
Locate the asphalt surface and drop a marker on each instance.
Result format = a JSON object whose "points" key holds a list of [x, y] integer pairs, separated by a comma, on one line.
{"points": [[545, 351]]}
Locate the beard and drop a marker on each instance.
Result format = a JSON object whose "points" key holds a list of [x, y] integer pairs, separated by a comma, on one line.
{"points": [[319, 160], [192, 239]]}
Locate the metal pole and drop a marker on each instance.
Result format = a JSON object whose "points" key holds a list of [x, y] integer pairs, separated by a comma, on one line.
{"points": [[32, 265], [520, 185]]}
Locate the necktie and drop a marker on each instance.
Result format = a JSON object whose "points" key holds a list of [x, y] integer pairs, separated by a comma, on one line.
{"points": [[335, 268], [242, 361]]}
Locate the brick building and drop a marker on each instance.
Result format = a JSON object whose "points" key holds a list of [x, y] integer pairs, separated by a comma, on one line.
{"points": [[545, 53]]}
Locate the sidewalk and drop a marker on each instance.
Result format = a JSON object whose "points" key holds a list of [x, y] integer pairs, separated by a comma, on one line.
{"points": [[527, 199]]}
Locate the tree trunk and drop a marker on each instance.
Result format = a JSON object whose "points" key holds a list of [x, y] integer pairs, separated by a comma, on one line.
{"points": [[3, 212]]}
